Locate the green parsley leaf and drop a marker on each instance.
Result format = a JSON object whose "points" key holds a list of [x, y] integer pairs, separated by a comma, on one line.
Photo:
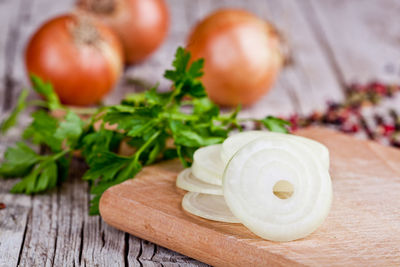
{"points": [[195, 70], [44, 176], [42, 130], [63, 164], [102, 140], [155, 151], [70, 129], [47, 178], [26, 185], [116, 170], [186, 79], [155, 98], [47, 91], [19, 160], [180, 63], [186, 136], [204, 107], [275, 124], [12, 119], [105, 165], [98, 189]]}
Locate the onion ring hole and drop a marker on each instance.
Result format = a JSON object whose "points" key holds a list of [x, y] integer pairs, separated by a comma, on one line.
{"points": [[283, 189]]}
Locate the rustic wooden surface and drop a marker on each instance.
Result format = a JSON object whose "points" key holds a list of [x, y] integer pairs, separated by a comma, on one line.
{"points": [[333, 43], [362, 227]]}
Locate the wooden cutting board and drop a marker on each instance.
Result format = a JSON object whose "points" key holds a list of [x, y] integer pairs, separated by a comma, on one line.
{"points": [[363, 227]]}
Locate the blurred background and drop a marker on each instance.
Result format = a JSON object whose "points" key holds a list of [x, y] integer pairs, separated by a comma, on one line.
{"points": [[332, 44]]}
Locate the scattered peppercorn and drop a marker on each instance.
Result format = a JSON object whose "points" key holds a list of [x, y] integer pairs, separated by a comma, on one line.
{"points": [[2, 206], [346, 116]]}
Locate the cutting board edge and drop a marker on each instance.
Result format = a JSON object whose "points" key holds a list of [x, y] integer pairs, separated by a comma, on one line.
{"points": [[168, 238]]}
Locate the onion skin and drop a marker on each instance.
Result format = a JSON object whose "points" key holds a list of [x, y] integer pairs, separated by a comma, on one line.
{"points": [[242, 56], [141, 25], [81, 73]]}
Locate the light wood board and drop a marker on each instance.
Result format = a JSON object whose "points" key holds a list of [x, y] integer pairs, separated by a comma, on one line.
{"points": [[363, 227]]}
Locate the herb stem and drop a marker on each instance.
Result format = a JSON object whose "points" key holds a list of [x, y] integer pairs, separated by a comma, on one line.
{"points": [[84, 111], [57, 155], [38, 103], [61, 153], [146, 145], [179, 116]]}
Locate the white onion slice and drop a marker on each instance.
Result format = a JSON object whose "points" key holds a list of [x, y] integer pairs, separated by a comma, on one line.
{"points": [[261, 165], [207, 164], [187, 181], [233, 143], [209, 207]]}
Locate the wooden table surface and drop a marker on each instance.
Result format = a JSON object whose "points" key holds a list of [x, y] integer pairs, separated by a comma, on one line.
{"points": [[333, 43]]}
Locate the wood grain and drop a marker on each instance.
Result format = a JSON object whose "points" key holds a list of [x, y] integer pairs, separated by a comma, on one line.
{"points": [[13, 224], [9, 12], [362, 40], [14, 219], [363, 227], [309, 77]]}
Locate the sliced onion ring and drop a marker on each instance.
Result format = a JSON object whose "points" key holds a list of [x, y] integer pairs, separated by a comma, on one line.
{"points": [[253, 172], [210, 207], [207, 165], [232, 144], [187, 181]]}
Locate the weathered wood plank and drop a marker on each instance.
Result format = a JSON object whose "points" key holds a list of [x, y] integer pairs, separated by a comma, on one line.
{"points": [[41, 234], [13, 223], [9, 14], [103, 245], [134, 250], [12, 68], [144, 253], [362, 39], [14, 218], [37, 239], [310, 77], [61, 233], [73, 199], [170, 258]]}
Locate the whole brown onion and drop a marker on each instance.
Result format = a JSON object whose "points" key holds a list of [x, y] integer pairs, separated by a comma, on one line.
{"points": [[81, 57], [141, 24], [242, 56]]}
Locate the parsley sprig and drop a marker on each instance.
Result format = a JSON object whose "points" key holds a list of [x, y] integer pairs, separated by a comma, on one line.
{"points": [[158, 126]]}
